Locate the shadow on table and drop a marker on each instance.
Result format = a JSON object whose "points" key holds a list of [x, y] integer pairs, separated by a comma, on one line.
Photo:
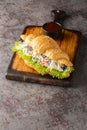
{"points": [[80, 79]]}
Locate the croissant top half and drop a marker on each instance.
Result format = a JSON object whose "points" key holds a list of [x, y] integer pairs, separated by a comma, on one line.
{"points": [[47, 46]]}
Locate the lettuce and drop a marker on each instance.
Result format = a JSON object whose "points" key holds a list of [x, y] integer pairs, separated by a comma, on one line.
{"points": [[42, 69], [14, 48]]}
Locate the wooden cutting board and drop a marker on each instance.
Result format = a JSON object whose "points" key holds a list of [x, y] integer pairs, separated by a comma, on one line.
{"points": [[18, 70]]}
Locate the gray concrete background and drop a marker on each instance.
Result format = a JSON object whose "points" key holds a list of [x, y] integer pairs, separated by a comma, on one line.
{"points": [[27, 106]]}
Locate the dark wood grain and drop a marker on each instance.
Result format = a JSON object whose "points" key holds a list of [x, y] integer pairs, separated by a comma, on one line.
{"points": [[19, 71]]}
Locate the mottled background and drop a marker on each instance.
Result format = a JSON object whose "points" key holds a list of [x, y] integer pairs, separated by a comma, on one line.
{"points": [[27, 106]]}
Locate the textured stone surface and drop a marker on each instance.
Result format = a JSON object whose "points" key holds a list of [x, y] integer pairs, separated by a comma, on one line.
{"points": [[26, 106]]}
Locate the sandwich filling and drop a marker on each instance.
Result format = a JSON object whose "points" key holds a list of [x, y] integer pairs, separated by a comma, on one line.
{"points": [[41, 62]]}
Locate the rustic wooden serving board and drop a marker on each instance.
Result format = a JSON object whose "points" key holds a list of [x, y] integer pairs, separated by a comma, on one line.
{"points": [[19, 71]]}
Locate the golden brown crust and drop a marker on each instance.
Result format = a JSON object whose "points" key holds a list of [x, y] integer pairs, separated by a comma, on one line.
{"points": [[56, 54], [65, 62], [28, 38], [43, 43], [23, 37]]}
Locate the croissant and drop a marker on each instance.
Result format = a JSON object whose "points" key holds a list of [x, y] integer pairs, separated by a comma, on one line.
{"points": [[43, 54]]}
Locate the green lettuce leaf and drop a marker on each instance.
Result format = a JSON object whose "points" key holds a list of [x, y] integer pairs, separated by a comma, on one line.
{"points": [[14, 48], [41, 69]]}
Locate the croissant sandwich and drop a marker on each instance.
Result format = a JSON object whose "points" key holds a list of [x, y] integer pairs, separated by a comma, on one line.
{"points": [[43, 54]]}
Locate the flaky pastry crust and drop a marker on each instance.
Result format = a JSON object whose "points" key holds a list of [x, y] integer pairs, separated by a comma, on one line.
{"points": [[43, 43]]}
